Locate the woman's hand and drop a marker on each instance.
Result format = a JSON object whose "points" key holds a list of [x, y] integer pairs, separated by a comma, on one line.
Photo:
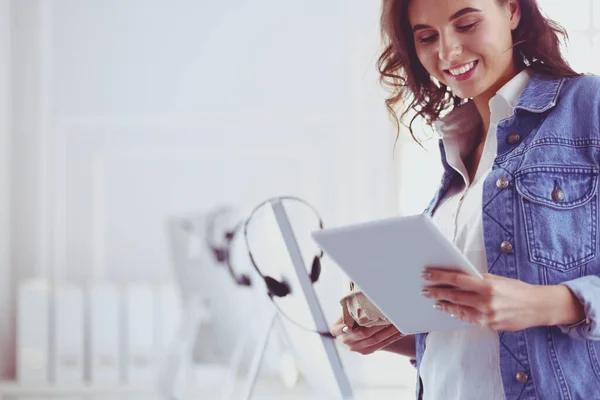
{"points": [[500, 304], [494, 302], [366, 340]]}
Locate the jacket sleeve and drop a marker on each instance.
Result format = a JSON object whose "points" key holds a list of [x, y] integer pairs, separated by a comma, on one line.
{"points": [[587, 290]]}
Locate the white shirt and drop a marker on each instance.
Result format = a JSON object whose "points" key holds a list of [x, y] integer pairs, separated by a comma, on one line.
{"points": [[465, 364]]}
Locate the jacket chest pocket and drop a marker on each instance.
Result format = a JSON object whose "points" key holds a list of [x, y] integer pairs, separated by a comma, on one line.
{"points": [[559, 207]]}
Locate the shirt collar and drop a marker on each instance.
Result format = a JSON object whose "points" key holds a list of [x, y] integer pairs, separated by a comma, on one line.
{"points": [[512, 90], [461, 128], [503, 104], [465, 119]]}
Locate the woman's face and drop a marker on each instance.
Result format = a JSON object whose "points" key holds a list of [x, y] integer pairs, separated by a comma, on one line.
{"points": [[466, 44]]}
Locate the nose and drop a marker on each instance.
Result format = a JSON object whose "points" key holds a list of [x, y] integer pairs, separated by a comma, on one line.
{"points": [[450, 48]]}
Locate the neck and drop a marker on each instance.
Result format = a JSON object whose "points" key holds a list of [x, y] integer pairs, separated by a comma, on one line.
{"points": [[482, 102], [483, 108]]}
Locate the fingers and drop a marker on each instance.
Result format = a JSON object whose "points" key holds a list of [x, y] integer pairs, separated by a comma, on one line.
{"points": [[465, 314], [381, 345], [452, 295], [339, 329], [453, 278], [361, 333], [357, 342]]}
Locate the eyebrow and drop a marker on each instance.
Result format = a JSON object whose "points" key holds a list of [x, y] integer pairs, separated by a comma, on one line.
{"points": [[454, 16]]}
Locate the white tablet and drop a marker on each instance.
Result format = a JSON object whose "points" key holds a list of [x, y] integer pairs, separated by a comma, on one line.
{"points": [[386, 258]]}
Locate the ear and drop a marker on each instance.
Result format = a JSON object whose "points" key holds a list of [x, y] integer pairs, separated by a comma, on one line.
{"points": [[514, 7]]}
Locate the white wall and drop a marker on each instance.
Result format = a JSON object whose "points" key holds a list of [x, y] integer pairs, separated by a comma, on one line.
{"points": [[128, 112], [6, 337], [27, 139], [176, 104]]}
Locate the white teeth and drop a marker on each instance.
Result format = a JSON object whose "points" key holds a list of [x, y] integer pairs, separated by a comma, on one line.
{"points": [[463, 69]]}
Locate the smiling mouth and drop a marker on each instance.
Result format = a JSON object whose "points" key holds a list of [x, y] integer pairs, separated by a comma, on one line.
{"points": [[462, 70]]}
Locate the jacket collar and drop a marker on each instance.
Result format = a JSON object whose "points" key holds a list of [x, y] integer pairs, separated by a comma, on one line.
{"points": [[540, 94]]}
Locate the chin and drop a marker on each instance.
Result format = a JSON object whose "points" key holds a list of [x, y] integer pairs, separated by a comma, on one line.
{"points": [[464, 94], [463, 91], [467, 92]]}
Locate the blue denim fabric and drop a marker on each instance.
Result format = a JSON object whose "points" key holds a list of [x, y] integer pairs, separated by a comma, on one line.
{"points": [[554, 237]]}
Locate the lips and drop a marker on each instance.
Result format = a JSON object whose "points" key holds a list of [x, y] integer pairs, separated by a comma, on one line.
{"points": [[462, 71]]}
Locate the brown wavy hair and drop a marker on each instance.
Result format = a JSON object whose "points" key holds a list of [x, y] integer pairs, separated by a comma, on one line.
{"points": [[536, 44]]}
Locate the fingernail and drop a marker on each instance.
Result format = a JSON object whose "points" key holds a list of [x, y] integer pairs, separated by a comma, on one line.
{"points": [[426, 275], [453, 315], [437, 306], [425, 293], [345, 329]]}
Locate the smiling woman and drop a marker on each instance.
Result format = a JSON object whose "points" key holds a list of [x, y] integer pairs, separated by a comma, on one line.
{"points": [[475, 40], [519, 197], [493, 38]]}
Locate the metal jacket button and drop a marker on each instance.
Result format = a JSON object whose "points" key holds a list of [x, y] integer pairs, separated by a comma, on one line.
{"points": [[513, 138], [506, 247], [502, 183], [558, 195], [522, 377]]}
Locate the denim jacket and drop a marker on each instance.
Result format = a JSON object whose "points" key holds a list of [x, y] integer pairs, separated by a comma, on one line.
{"points": [[540, 224]]}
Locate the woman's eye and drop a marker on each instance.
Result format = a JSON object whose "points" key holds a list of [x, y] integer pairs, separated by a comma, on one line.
{"points": [[466, 28], [427, 39]]}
